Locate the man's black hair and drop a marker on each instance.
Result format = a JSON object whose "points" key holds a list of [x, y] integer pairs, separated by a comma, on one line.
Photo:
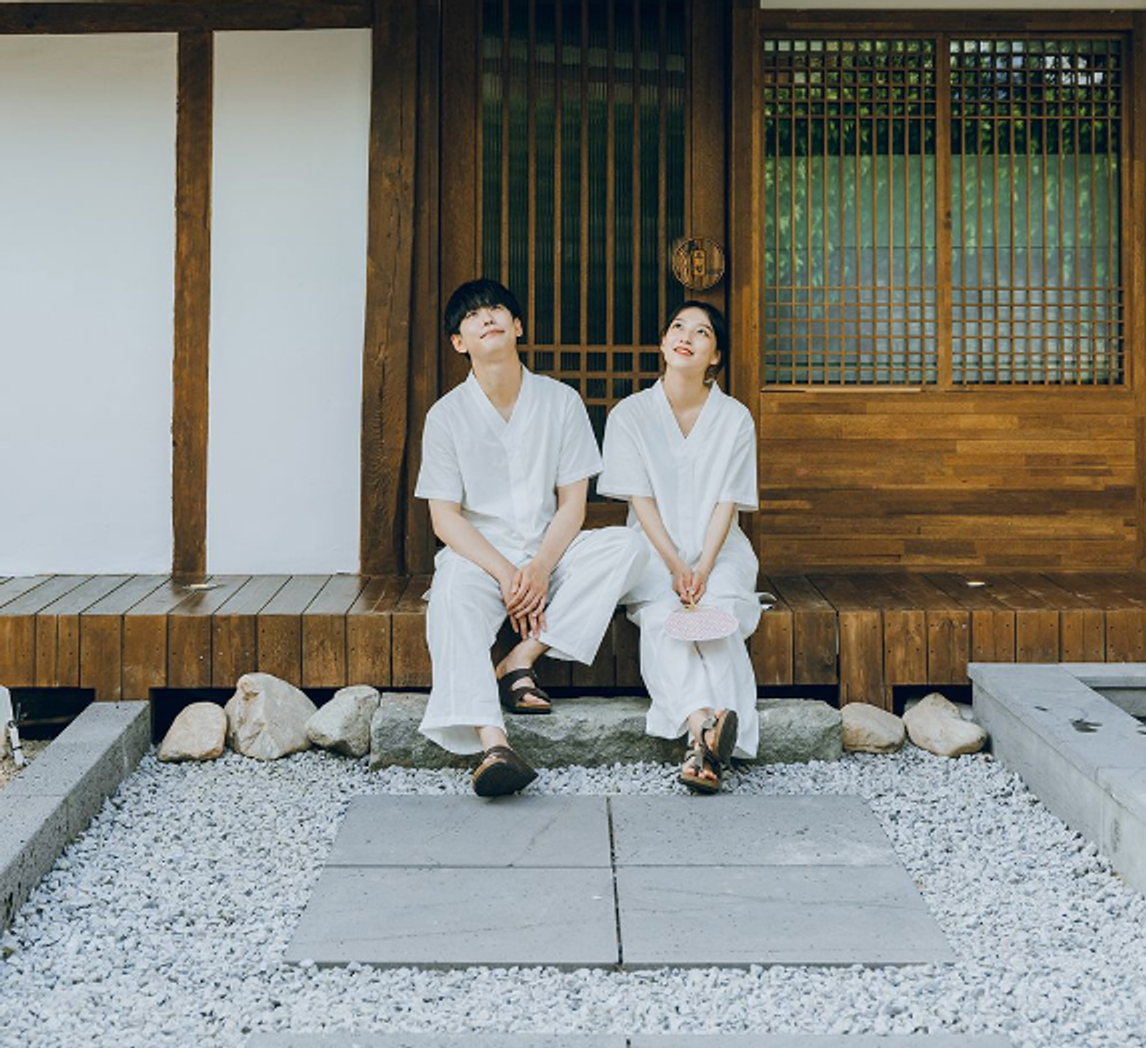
{"points": [[474, 295]]}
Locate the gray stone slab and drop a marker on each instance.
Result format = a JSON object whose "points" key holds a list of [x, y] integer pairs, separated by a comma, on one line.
{"points": [[530, 1040], [774, 915], [450, 917], [814, 1040], [749, 831], [433, 1040], [595, 730], [525, 831]]}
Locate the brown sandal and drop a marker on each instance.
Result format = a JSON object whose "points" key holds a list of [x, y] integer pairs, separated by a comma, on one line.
{"points": [[505, 774], [513, 698], [701, 757]]}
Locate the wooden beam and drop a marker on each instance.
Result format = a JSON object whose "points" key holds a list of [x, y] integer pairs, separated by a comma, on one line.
{"points": [[182, 16], [427, 310], [968, 23], [192, 305], [389, 274], [1135, 283]]}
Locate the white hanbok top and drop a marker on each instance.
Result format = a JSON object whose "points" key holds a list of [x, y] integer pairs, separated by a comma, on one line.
{"points": [[647, 454], [505, 475]]}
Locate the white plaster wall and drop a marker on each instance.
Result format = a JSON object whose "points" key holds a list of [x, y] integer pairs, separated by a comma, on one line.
{"points": [[288, 287], [87, 241]]}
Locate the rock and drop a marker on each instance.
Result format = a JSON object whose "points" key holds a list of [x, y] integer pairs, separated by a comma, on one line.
{"points": [[267, 717], [343, 724], [868, 729], [936, 725], [588, 731], [797, 730], [199, 733]]}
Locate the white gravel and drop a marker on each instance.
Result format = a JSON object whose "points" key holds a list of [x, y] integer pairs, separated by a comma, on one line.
{"points": [[166, 923]]}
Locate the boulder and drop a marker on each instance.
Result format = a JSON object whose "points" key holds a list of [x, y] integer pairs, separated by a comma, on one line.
{"points": [[199, 733], [936, 725], [797, 730], [868, 729], [587, 730], [343, 724], [267, 717]]}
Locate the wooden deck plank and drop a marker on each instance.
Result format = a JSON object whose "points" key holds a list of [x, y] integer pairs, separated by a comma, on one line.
{"points": [[409, 656], [992, 621], [280, 627], [145, 639], [860, 639], [814, 630], [18, 627], [101, 636], [235, 629], [324, 632], [1082, 626], [771, 646], [1037, 619], [368, 625], [626, 640], [189, 632], [15, 587], [58, 630], [948, 626]]}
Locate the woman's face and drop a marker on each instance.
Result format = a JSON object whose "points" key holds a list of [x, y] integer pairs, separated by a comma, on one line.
{"points": [[689, 344]]}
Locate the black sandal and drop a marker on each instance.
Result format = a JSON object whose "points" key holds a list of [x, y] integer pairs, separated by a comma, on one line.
{"points": [[511, 697], [701, 757], [505, 774]]}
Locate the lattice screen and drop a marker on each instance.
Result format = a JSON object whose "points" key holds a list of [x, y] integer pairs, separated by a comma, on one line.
{"points": [[852, 146], [1036, 269], [582, 181]]}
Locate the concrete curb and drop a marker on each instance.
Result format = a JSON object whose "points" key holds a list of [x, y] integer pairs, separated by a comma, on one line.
{"points": [[52, 801]]}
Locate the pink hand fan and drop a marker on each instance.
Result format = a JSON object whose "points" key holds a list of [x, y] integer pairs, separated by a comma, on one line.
{"points": [[698, 622]]}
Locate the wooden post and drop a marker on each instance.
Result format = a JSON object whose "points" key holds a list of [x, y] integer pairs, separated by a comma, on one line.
{"points": [[389, 272], [192, 305], [1135, 279]]}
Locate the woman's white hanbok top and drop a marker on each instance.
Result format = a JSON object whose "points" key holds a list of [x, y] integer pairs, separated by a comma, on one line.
{"points": [[647, 454]]}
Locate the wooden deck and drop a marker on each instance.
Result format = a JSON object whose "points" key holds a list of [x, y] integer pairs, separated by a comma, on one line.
{"points": [[122, 635]]}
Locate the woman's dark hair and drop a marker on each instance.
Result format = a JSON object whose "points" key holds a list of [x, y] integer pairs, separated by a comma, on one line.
{"points": [[474, 295], [719, 330]]}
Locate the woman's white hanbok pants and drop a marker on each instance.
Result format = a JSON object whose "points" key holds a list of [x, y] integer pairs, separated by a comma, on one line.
{"points": [[685, 676], [466, 611]]}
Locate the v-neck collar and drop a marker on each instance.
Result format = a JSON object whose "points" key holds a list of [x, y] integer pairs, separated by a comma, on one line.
{"points": [[501, 426], [681, 440]]}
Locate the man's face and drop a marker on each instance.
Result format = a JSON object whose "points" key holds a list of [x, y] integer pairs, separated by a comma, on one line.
{"points": [[487, 333]]}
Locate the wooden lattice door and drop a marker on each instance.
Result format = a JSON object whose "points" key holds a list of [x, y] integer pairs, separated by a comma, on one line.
{"points": [[581, 139]]}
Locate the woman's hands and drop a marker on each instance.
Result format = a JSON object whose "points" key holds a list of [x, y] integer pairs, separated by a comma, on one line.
{"points": [[689, 583]]}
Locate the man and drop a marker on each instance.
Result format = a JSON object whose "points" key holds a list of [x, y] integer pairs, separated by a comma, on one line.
{"points": [[506, 462]]}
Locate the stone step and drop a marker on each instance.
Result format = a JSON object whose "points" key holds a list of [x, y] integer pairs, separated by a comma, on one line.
{"points": [[601, 730], [349, 1039]]}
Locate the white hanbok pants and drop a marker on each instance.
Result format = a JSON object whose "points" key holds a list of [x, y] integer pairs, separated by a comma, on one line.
{"points": [[685, 676], [466, 611]]}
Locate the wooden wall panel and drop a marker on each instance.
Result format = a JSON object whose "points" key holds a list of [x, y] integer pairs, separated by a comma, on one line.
{"points": [[999, 479]]}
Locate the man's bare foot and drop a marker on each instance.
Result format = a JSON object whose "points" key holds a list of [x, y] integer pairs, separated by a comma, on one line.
{"points": [[524, 691]]}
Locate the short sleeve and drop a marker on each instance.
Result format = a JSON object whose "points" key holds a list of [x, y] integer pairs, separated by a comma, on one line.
{"points": [[624, 474], [579, 458], [440, 476], [739, 484]]}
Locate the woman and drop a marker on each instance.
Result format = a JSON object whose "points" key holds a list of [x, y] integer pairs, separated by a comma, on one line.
{"points": [[683, 454]]}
